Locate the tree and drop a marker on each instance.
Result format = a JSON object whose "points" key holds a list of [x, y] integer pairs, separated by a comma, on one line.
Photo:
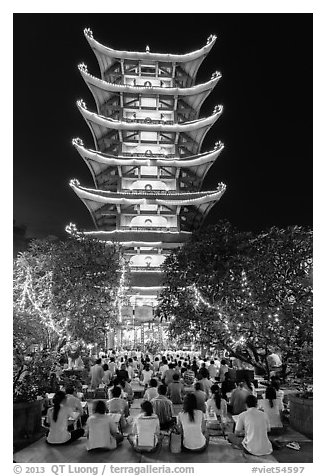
{"points": [[69, 288], [250, 295]]}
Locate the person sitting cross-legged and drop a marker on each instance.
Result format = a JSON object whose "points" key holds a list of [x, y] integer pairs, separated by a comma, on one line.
{"points": [[273, 407], [146, 430], [118, 405], [176, 390], [251, 430], [151, 391], [101, 430], [192, 425], [57, 418], [218, 406], [163, 408]]}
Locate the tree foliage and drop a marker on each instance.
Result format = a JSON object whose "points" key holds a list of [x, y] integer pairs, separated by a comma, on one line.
{"points": [[65, 289], [249, 294]]}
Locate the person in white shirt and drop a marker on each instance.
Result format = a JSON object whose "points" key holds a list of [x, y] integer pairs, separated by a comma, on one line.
{"points": [[251, 430], [146, 375], [151, 391], [218, 406], [101, 430], [192, 425], [272, 407], [145, 430], [57, 418]]}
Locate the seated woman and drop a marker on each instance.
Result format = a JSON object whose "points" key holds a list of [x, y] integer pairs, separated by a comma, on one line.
{"points": [[218, 406], [101, 430], [273, 408], [145, 430], [192, 425], [57, 418], [118, 405]]}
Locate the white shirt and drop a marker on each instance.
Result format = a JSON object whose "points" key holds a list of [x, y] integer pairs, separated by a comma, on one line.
{"points": [[147, 429], [193, 437], [273, 413], [255, 424], [100, 430], [58, 429], [147, 374]]}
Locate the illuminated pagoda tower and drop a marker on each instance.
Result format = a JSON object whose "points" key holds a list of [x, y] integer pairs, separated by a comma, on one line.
{"points": [[147, 163]]}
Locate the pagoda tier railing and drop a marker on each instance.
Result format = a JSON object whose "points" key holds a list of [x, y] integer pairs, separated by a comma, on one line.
{"points": [[146, 268], [149, 156], [141, 191], [147, 120], [149, 228]]}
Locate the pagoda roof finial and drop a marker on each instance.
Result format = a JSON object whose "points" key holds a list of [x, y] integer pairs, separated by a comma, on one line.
{"points": [[83, 67], [210, 39], [147, 49], [74, 183], [77, 141], [81, 103], [88, 32]]}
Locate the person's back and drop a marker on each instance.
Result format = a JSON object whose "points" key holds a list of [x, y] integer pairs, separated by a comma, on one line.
{"points": [[189, 376], [272, 407], [163, 407], [193, 437], [97, 373], [255, 425], [205, 384], [168, 376], [146, 428], [238, 399], [212, 370], [100, 429], [59, 433], [175, 390], [200, 398]]}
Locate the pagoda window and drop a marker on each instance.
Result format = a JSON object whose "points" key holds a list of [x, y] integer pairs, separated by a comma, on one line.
{"points": [[147, 70], [148, 187], [147, 84]]}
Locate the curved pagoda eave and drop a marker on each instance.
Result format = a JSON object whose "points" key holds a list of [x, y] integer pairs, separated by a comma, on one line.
{"points": [[196, 130], [98, 162], [132, 198], [190, 62], [102, 90]]}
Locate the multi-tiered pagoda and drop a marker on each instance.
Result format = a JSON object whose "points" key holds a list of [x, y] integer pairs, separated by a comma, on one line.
{"points": [[147, 163]]}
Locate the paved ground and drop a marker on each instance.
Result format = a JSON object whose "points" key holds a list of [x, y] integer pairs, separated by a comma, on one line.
{"points": [[219, 451]]}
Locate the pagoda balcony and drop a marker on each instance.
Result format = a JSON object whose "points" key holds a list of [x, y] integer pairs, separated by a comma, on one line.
{"points": [[142, 269], [147, 120], [141, 191], [149, 228], [149, 156]]}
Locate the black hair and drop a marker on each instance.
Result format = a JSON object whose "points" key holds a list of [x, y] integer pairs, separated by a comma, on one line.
{"points": [[147, 407], [98, 361], [153, 382], [176, 377], [276, 383], [105, 367], [99, 407], [162, 389], [197, 386], [57, 400], [171, 366], [189, 405], [216, 392], [270, 395], [251, 401], [204, 372], [70, 390], [116, 392], [223, 362]]}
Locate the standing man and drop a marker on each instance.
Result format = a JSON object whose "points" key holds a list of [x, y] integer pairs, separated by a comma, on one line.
{"points": [[96, 374]]}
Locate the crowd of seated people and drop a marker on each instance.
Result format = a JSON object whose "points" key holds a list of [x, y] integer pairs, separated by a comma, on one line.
{"points": [[201, 387]]}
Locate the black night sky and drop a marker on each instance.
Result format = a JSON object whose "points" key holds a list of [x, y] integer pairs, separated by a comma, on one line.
{"points": [[266, 126]]}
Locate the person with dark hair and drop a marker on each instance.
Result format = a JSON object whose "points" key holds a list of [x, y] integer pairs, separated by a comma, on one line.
{"points": [[223, 369], [188, 376], [194, 367], [163, 408], [201, 397], [101, 430], [145, 430], [176, 390], [168, 376], [251, 430], [272, 407], [57, 418], [238, 399], [151, 391], [112, 366], [205, 383], [218, 406], [192, 425], [127, 391], [248, 385], [122, 374], [106, 379], [276, 383], [118, 405], [96, 374], [73, 401], [146, 375], [212, 370]]}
